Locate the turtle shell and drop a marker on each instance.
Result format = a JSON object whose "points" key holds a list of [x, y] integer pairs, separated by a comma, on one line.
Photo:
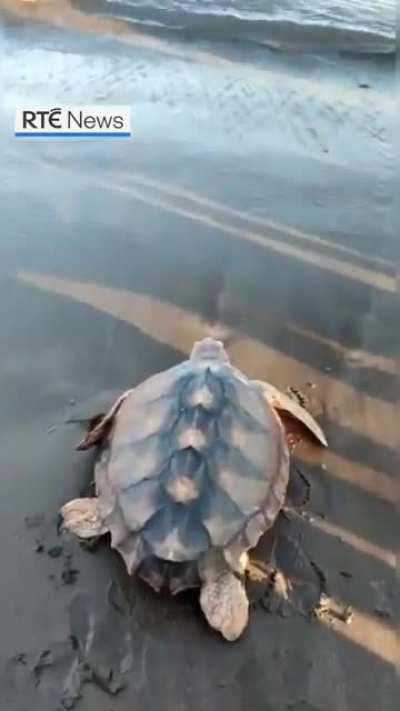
{"points": [[195, 460]]}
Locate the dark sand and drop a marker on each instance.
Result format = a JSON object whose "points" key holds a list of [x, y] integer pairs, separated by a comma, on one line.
{"points": [[256, 195]]}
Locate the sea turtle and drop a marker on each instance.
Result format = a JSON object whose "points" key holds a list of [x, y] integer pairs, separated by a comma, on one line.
{"points": [[192, 468]]}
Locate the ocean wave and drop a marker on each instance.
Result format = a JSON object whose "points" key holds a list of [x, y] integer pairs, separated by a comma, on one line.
{"points": [[361, 26]]}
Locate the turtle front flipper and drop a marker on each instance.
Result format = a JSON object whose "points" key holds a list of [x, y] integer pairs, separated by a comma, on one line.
{"points": [[100, 426], [283, 403], [82, 517]]}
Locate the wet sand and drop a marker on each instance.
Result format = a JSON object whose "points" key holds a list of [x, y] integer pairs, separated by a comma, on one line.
{"points": [[256, 198]]}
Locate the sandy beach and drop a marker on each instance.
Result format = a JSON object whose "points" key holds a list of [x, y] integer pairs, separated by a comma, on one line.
{"points": [[256, 197]]}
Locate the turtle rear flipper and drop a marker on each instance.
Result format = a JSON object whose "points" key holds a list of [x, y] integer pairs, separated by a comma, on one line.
{"points": [[82, 517], [223, 597], [225, 605]]}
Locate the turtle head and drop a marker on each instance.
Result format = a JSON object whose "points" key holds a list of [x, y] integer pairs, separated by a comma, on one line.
{"points": [[209, 348]]}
